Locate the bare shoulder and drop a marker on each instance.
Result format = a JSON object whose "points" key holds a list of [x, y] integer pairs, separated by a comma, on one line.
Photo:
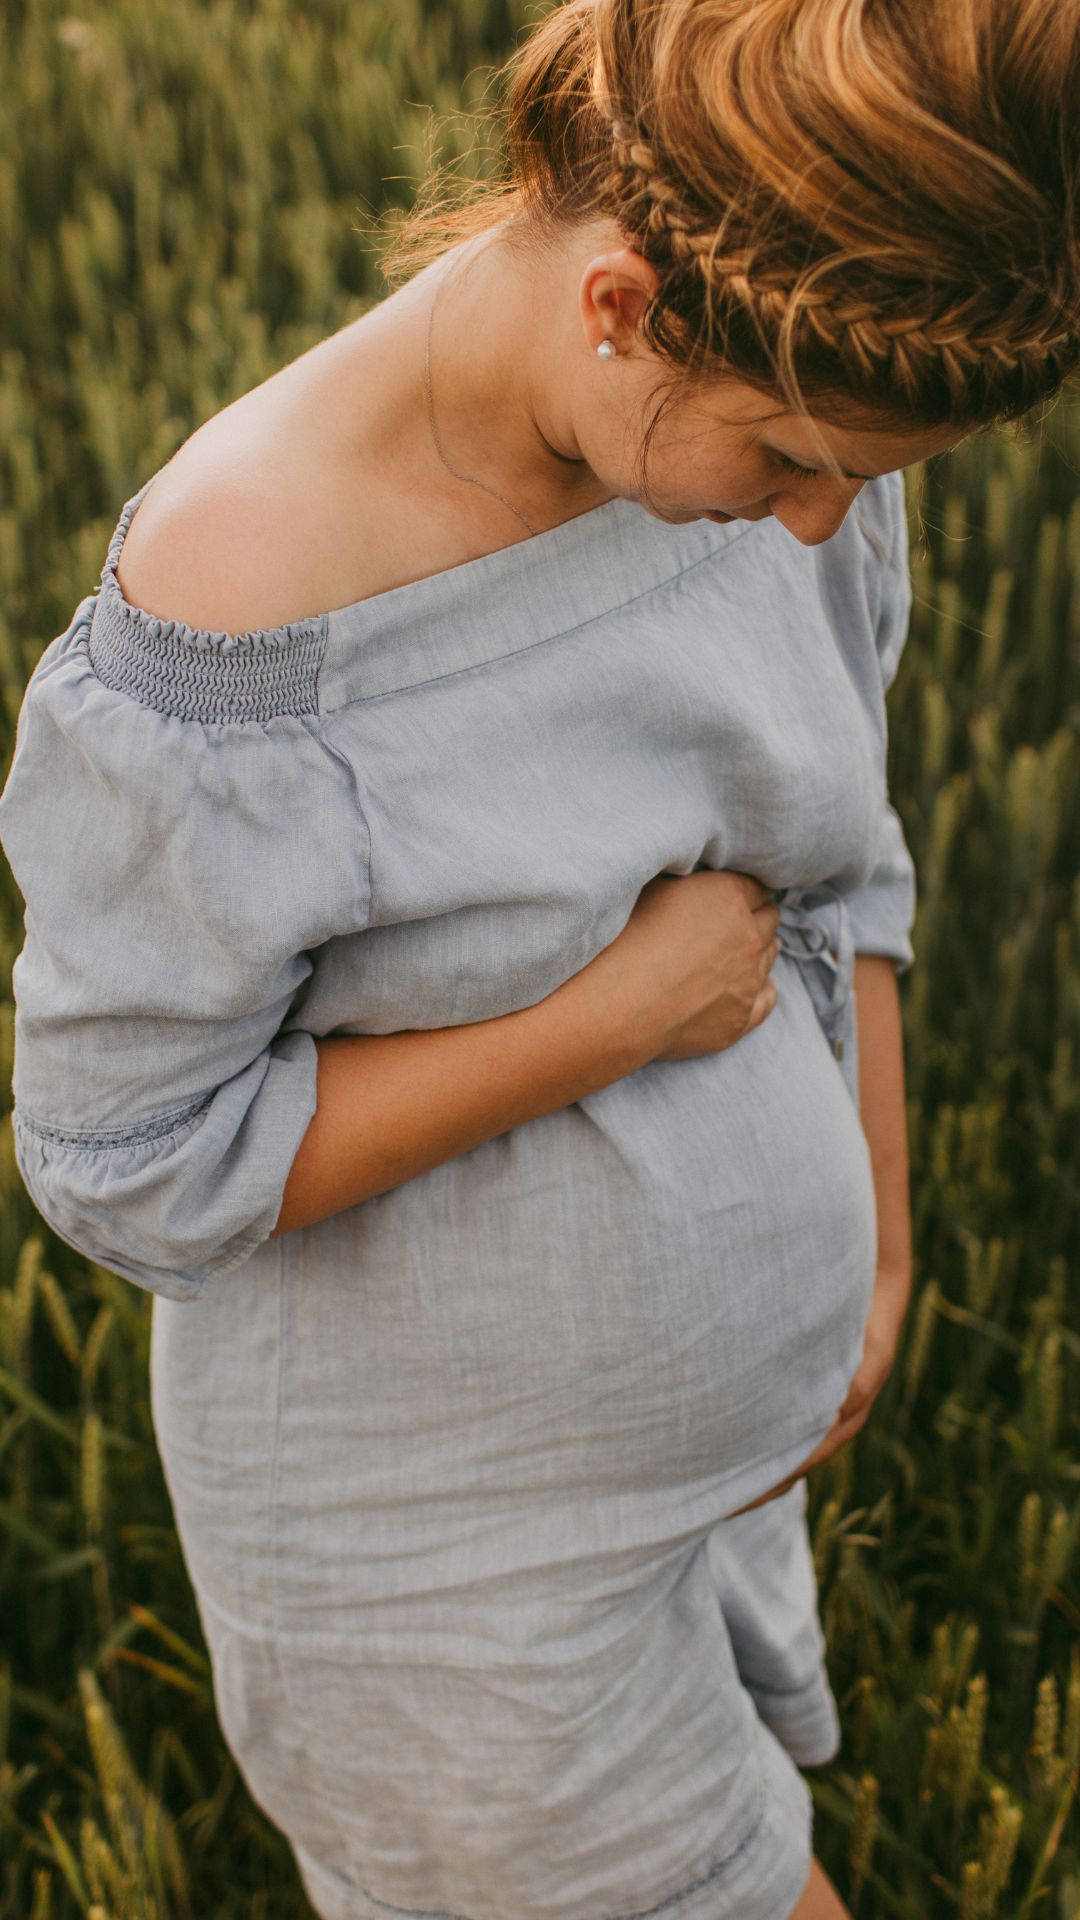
{"points": [[227, 539]]}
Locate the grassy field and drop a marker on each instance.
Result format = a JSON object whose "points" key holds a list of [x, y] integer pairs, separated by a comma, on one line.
{"points": [[184, 193]]}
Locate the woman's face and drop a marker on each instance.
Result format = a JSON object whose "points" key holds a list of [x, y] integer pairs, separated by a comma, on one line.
{"points": [[732, 455], [723, 450]]}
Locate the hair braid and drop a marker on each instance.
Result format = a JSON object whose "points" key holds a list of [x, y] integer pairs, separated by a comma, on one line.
{"points": [[868, 203], [855, 330], [636, 177]]}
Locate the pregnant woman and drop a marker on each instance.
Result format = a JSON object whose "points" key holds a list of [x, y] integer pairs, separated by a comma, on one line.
{"points": [[463, 910]]}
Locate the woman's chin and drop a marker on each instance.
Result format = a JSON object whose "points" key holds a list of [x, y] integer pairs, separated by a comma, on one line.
{"points": [[678, 516]]}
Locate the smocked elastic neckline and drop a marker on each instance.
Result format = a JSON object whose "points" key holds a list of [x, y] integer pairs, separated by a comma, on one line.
{"points": [[198, 673], [481, 609], [156, 626]]}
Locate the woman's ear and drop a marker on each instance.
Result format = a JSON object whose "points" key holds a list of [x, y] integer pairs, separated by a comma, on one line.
{"points": [[615, 290]]}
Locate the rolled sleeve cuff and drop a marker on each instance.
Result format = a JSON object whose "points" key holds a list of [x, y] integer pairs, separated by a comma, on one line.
{"points": [[175, 1203], [881, 913]]}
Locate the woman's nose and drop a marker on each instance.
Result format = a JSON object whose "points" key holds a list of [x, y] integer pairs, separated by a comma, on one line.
{"points": [[812, 522]]}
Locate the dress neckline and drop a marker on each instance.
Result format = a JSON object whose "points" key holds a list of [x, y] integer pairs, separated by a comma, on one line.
{"points": [[480, 609]]}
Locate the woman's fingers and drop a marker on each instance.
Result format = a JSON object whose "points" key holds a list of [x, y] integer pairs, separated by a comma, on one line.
{"points": [[843, 1429]]}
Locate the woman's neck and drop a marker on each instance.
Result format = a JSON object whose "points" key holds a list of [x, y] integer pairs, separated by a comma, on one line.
{"points": [[499, 337]]}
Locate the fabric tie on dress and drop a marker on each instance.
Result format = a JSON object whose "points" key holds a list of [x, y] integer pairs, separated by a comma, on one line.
{"points": [[815, 930]]}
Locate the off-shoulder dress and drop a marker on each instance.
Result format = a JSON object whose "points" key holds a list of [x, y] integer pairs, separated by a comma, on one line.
{"points": [[452, 1470]]}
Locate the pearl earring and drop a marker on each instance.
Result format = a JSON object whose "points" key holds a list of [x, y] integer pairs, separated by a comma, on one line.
{"points": [[606, 350]]}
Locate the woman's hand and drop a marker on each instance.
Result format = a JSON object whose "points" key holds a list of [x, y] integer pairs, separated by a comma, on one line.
{"points": [[888, 1305], [691, 971]]}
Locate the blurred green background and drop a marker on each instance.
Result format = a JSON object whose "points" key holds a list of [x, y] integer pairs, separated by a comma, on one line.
{"points": [[186, 197]]}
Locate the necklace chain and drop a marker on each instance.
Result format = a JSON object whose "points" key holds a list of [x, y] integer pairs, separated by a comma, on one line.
{"points": [[456, 471]]}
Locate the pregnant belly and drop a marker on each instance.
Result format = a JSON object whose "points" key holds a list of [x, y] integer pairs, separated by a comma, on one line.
{"points": [[650, 1303], [555, 1359]]}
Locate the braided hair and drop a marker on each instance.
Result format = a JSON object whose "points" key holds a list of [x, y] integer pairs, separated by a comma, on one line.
{"points": [[854, 206], [881, 347]]}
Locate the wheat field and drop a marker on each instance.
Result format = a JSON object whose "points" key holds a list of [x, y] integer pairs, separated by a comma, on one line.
{"points": [[186, 192]]}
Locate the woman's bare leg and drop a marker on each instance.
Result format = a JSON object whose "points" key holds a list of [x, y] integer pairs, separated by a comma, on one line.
{"points": [[819, 1899]]}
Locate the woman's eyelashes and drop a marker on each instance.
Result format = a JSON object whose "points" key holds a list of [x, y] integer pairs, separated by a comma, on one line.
{"points": [[792, 466]]}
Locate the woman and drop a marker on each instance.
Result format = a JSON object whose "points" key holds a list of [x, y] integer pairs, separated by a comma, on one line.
{"points": [[472, 1010]]}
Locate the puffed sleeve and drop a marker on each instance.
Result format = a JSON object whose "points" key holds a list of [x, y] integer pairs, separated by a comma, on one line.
{"points": [[183, 838], [881, 912]]}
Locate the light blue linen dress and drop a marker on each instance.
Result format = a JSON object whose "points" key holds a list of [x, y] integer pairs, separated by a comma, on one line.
{"points": [[451, 1469]]}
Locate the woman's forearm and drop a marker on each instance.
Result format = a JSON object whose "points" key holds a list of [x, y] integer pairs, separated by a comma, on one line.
{"points": [[882, 1107], [392, 1106]]}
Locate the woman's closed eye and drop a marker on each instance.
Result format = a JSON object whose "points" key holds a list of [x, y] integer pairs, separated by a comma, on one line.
{"points": [[792, 466]]}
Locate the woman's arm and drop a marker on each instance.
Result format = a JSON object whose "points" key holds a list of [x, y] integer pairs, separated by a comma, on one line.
{"points": [[688, 974], [390, 1106], [883, 1114]]}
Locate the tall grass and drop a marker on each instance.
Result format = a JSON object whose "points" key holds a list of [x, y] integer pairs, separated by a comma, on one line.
{"points": [[183, 193]]}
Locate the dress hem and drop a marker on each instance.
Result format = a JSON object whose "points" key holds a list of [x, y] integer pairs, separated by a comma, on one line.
{"points": [[761, 1879]]}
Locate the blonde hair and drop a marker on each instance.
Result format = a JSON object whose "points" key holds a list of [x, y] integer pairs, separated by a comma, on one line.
{"points": [[853, 206]]}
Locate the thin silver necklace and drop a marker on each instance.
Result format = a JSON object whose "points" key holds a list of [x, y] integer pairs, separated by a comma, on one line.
{"points": [[456, 471]]}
